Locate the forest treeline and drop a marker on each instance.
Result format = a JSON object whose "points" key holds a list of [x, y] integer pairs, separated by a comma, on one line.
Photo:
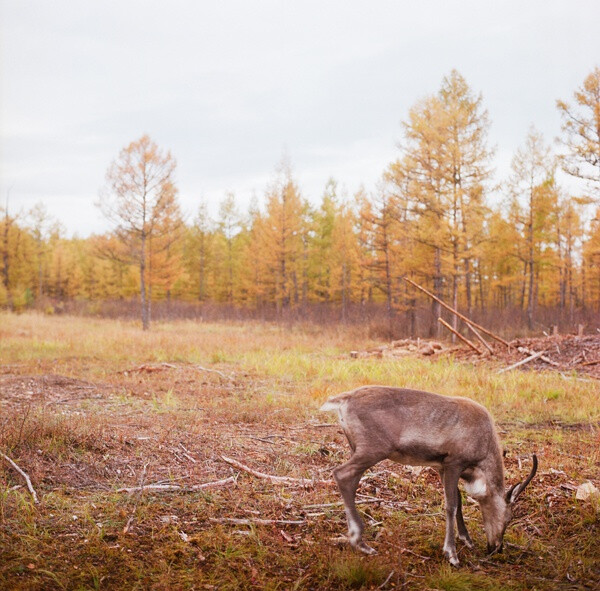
{"points": [[524, 251]]}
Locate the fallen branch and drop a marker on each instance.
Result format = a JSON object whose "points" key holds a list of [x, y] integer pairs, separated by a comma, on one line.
{"points": [[177, 487], [277, 479], [24, 475], [456, 313], [256, 521], [542, 356], [455, 332], [522, 362]]}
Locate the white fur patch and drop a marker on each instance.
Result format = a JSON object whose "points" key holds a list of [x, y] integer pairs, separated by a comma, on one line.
{"points": [[477, 488], [353, 531]]}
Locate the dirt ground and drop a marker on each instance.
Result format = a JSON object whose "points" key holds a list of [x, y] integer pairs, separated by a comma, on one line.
{"points": [[119, 463]]}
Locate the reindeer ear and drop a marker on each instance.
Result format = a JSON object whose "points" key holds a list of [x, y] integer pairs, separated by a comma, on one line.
{"points": [[514, 491]]}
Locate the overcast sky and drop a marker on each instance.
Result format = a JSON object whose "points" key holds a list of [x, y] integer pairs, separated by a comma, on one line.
{"points": [[230, 86]]}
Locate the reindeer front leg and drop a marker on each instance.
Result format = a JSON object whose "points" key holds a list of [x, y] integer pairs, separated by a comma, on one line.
{"points": [[450, 478], [463, 534]]}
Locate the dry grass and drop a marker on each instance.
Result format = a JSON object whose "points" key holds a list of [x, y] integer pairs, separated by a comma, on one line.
{"points": [[90, 406]]}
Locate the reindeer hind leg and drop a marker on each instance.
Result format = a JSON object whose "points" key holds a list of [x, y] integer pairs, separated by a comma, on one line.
{"points": [[347, 477]]}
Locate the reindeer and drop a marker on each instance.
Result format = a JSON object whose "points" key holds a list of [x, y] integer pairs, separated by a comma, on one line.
{"points": [[454, 435]]}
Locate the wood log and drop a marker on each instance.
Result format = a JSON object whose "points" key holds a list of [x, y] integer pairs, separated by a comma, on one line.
{"points": [[542, 356], [463, 339], [481, 339], [456, 313]]}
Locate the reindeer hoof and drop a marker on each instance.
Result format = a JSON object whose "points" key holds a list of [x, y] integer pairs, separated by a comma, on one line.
{"points": [[365, 548], [452, 557], [467, 542]]}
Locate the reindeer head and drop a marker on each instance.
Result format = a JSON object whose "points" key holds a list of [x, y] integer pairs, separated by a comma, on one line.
{"points": [[497, 511]]}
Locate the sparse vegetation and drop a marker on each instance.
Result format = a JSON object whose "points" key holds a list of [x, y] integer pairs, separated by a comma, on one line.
{"points": [[89, 406]]}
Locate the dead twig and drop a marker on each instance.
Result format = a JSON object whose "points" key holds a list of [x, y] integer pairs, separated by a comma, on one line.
{"points": [[208, 370], [263, 440], [340, 503], [593, 362], [176, 487], [186, 453], [387, 580], [237, 521], [149, 368], [315, 426], [277, 479], [141, 489], [24, 475], [463, 339]]}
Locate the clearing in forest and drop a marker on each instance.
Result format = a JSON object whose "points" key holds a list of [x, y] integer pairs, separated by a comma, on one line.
{"points": [[118, 429]]}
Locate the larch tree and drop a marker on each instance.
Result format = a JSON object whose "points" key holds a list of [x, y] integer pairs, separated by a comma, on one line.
{"points": [[581, 132], [365, 232], [591, 264], [40, 227], [253, 267], [581, 159], [413, 254], [467, 168], [283, 240], [165, 246], [533, 198], [198, 253], [139, 198], [228, 226], [390, 249], [344, 258], [7, 227], [320, 263], [569, 238], [423, 165]]}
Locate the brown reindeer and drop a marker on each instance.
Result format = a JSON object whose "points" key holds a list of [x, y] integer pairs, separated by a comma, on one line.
{"points": [[454, 435]]}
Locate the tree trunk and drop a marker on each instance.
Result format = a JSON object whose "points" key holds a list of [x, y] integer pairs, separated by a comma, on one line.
{"points": [[530, 291], [468, 287], [437, 290], [5, 258], [143, 296], [344, 312]]}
